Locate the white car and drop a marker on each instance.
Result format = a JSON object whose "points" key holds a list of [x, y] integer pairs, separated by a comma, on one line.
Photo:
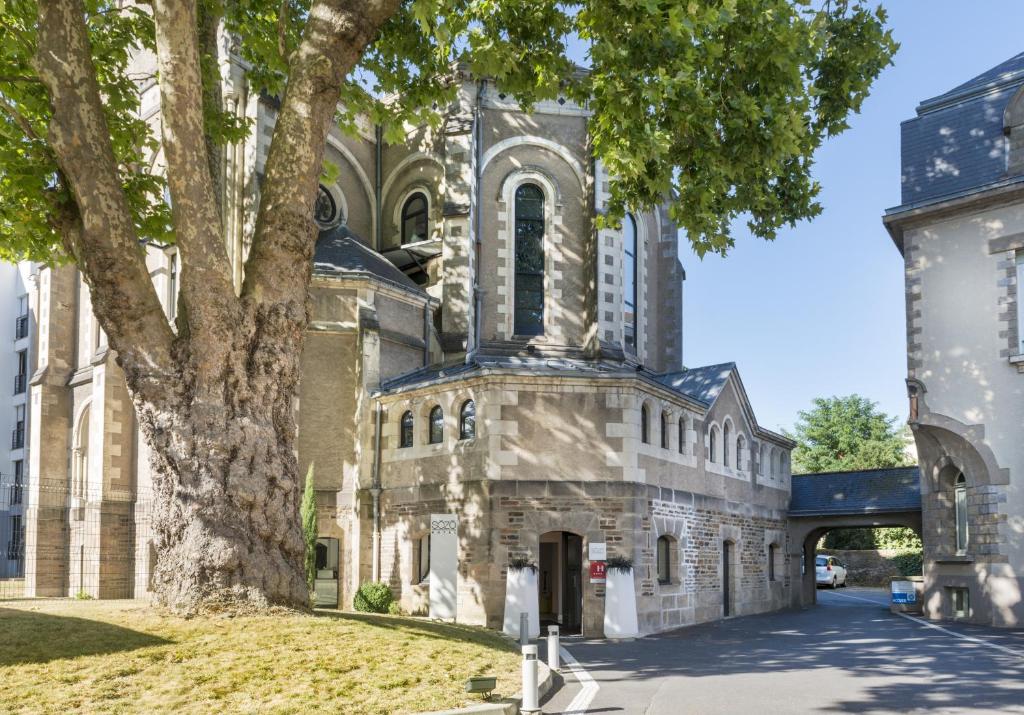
{"points": [[829, 571]]}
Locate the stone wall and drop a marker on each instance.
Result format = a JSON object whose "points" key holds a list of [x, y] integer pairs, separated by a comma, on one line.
{"points": [[870, 567]]}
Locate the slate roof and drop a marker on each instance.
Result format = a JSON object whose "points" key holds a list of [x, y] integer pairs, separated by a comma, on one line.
{"points": [[955, 145], [701, 383], [559, 366], [340, 252], [864, 492]]}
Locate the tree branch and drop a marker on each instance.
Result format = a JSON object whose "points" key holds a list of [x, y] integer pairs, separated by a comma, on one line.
{"points": [[335, 36], [206, 283], [107, 247]]}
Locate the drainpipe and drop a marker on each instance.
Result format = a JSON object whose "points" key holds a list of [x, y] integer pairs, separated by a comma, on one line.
{"points": [[375, 490], [378, 230], [478, 136]]}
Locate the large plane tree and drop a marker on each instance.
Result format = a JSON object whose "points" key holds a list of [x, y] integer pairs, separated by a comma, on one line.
{"points": [[717, 104]]}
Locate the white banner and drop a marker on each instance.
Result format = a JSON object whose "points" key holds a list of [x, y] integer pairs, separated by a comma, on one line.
{"points": [[444, 565]]}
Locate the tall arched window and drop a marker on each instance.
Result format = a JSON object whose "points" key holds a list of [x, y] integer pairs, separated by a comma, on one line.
{"points": [[664, 558], [645, 435], [761, 467], [414, 218], [529, 280], [436, 425], [726, 429], [712, 439], [960, 506], [741, 445], [406, 429], [629, 282], [664, 430], [682, 435], [771, 463], [467, 420]]}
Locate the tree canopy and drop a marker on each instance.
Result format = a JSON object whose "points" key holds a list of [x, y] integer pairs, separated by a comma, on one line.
{"points": [[719, 104], [846, 434]]}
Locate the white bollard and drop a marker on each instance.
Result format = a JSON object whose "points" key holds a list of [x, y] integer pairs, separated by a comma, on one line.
{"points": [[553, 648], [524, 628], [530, 698]]}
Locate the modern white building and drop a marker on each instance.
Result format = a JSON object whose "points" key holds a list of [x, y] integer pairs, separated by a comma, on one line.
{"points": [[17, 358]]}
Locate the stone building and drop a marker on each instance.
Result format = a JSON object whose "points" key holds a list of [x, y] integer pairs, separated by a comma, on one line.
{"points": [[478, 348], [960, 230]]}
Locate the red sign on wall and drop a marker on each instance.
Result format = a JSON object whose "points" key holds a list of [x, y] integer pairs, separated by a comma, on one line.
{"points": [[597, 572]]}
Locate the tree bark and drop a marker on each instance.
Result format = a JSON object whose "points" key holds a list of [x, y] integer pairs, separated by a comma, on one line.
{"points": [[215, 401]]}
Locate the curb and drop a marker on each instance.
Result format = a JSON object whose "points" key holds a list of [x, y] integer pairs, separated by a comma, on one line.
{"points": [[508, 706]]}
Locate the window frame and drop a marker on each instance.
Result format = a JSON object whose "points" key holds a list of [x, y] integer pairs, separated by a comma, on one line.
{"points": [[406, 430], [435, 421], [663, 559], [407, 215], [961, 524], [726, 428], [630, 269], [682, 435], [645, 424], [524, 323], [664, 430], [464, 433], [712, 439]]}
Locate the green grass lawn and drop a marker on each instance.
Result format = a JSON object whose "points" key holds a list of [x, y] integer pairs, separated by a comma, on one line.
{"points": [[62, 656]]}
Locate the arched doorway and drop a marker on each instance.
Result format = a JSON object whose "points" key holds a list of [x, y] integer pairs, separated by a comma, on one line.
{"points": [[728, 567], [560, 581]]}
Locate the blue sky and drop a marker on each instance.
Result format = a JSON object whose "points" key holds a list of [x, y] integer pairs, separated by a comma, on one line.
{"points": [[820, 311]]}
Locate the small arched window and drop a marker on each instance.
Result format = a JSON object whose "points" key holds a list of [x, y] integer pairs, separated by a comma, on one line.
{"points": [[529, 259], [960, 507], [664, 430], [645, 435], [782, 465], [761, 468], [712, 446], [406, 429], [467, 420], [726, 429], [664, 560], [741, 445], [682, 435], [436, 425], [414, 218], [629, 282]]}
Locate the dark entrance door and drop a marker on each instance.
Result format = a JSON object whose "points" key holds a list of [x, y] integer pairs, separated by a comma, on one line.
{"points": [[726, 580], [572, 583]]}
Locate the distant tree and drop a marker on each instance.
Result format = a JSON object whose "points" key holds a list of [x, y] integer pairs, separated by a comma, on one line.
{"points": [[846, 434], [308, 512]]}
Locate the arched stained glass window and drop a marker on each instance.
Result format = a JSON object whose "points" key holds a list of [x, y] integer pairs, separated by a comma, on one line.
{"points": [[407, 431], [629, 282], [414, 218], [436, 425], [960, 506], [467, 420], [529, 279]]}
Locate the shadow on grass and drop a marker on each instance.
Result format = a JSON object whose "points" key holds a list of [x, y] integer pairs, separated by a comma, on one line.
{"points": [[34, 637], [423, 627]]}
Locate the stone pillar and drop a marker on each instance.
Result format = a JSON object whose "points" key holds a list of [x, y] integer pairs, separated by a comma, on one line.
{"points": [[458, 235], [46, 518]]}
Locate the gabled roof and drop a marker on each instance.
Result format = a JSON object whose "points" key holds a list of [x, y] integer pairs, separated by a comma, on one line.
{"points": [[1010, 71], [863, 492], [700, 383], [339, 252]]}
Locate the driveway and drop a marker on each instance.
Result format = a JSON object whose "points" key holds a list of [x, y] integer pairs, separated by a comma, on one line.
{"points": [[848, 654]]}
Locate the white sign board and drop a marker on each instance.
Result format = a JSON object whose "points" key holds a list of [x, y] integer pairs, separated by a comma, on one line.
{"points": [[597, 552], [444, 565], [903, 592]]}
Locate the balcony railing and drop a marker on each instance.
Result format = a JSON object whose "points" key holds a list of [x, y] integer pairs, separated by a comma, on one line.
{"points": [[15, 550], [19, 383], [21, 327], [17, 438], [17, 493]]}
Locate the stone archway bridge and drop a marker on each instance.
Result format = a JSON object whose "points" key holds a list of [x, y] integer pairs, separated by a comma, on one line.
{"points": [[836, 500]]}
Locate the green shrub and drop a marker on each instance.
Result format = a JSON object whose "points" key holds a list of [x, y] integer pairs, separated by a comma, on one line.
{"points": [[521, 564], [83, 596], [909, 563], [619, 563], [394, 609], [373, 597]]}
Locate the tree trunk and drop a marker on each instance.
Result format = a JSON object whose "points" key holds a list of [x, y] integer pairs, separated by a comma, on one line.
{"points": [[226, 487]]}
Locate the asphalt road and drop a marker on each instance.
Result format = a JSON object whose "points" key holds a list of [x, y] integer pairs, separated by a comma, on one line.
{"points": [[848, 654]]}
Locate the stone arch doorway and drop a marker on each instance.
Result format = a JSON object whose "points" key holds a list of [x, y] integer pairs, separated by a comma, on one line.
{"points": [[560, 580], [806, 533], [728, 577]]}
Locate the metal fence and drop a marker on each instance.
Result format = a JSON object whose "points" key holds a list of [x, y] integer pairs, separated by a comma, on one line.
{"points": [[86, 544]]}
